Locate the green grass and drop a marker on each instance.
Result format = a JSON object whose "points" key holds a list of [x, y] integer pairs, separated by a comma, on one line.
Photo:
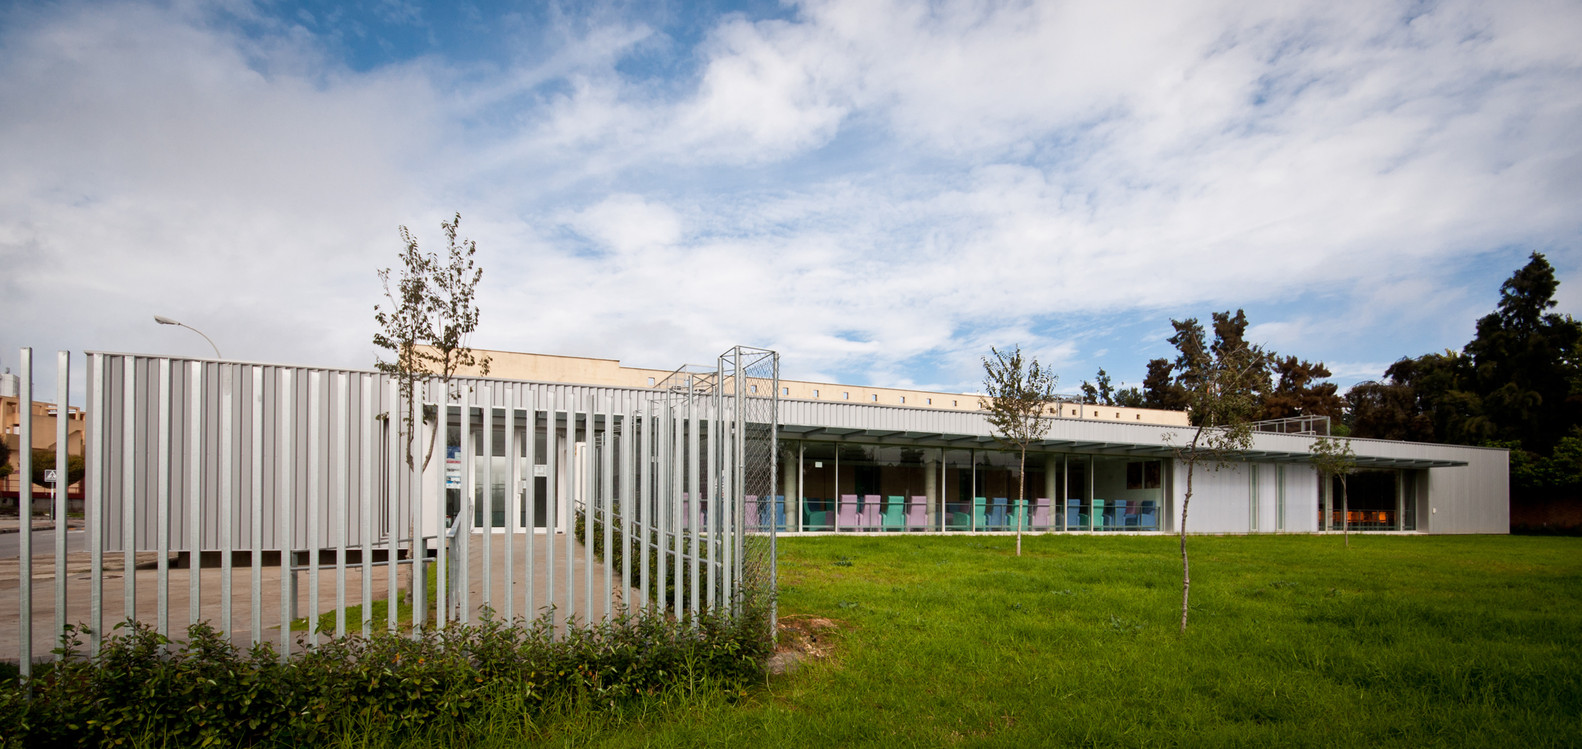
{"points": [[380, 610], [1404, 641]]}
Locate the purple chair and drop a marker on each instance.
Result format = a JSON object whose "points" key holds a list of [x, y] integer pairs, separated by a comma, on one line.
{"points": [[846, 513], [752, 510], [1041, 513], [870, 512], [917, 514]]}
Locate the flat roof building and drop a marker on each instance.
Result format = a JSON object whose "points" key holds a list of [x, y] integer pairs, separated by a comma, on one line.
{"points": [[872, 459]]}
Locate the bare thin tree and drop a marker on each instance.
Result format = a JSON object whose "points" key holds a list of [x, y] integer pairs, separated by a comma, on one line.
{"points": [[1017, 393], [427, 321], [1333, 457], [1219, 383]]}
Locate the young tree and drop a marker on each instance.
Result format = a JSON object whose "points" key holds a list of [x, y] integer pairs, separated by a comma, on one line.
{"points": [[1019, 393], [427, 321], [1220, 386], [1333, 457]]}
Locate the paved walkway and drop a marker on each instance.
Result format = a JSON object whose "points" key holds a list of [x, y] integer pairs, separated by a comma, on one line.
{"points": [[145, 579]]}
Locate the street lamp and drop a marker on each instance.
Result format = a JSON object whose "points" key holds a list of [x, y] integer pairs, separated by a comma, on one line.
{"points": [[162, 320]]}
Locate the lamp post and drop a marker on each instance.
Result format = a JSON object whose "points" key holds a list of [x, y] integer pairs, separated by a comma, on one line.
{"points": [[162, 320]]}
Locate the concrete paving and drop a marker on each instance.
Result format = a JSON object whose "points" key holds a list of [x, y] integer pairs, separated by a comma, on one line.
{"points": [[145, 577]]}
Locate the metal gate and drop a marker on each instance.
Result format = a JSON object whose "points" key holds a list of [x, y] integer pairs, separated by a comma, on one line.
{"points": [[261, 498]]}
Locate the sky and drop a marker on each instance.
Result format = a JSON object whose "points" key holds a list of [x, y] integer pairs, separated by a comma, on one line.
{"points": [[880, 191]]}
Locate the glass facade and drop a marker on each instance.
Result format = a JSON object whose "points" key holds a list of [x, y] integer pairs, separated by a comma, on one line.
{"points": [[1376, 500], [847, 486]]}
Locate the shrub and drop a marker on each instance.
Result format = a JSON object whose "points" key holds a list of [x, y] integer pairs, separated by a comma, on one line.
{"points": [[144, 688]]}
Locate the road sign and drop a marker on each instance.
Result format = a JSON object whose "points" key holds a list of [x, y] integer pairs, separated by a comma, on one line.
{"points": [[50, 475]]}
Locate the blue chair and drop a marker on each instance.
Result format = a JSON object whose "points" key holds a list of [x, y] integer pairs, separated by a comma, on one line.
{"points": [[1148, 518], [997, 518], [1074, 517]]}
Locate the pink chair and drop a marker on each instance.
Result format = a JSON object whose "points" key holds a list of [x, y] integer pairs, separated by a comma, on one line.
{"points": [[752, 510], [1041, 513], [870, 512], [846, 513], [917, 514]]}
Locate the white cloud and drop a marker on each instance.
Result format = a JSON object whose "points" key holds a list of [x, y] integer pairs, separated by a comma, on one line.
{"points": [[863, 185]]}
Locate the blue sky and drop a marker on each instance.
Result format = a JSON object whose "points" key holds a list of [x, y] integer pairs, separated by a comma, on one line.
{"points": [[879, 190]]}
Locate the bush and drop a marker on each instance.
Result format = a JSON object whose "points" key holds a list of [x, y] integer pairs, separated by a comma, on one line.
{"points": [[144, 688]]}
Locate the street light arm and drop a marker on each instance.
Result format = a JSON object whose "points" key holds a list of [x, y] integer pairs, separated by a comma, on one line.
{"points": [[162, 320]]}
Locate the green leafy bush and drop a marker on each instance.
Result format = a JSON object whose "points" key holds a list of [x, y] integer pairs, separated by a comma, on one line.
{"points": [[144, 688]]}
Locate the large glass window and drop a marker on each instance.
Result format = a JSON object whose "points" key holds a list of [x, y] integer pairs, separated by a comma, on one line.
{"points": [[1371, 502], [996, 485], [1127, 494], [1078, 505], [958, 506], [818, 486], [859, 501], [1045, 490]]}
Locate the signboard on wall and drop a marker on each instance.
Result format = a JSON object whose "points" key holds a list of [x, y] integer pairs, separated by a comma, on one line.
{"points": [[453, 467]]}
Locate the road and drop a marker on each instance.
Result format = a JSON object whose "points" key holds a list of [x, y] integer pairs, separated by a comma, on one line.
{"points": [[43, 543]]}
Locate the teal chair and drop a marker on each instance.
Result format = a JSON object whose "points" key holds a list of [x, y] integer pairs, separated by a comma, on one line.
{"points": [[894, 513], [1019, 519], [957, 518], [1098, 514], [980, 513]]}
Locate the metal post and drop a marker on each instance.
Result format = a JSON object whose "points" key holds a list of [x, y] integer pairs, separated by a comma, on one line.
{"points": [[226, 493], [486, 437], [606, 504], [393, 492], [589, 490], [340, 502], [628, 505], [163, 504], [256, 503], [128, 487], [25, 516], [645, 482], [367, 454], [62, 483], [774, 506], [98, 373], [511, 488], [287, 499], [315, 474], [530, 447], [551, 505]]}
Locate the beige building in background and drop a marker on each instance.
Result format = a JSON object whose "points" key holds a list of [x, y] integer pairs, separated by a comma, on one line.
{"points": [[43, 418], [577, 370]]}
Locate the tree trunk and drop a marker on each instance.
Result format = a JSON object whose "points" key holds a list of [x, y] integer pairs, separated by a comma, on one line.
{"points": [[1021, 492], [438, 425]]}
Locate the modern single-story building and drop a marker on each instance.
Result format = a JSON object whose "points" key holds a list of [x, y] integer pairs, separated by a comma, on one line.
{"points": [[873, 459]]}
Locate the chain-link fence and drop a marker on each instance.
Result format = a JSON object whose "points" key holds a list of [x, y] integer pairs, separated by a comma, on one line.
{"points": [[749, 387]]}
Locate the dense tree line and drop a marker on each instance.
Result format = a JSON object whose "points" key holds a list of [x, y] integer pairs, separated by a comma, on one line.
{"points": [[1516, 384]]}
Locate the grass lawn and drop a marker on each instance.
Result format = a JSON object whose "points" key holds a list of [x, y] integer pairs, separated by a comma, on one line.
{"points": [[1400, 640]]}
